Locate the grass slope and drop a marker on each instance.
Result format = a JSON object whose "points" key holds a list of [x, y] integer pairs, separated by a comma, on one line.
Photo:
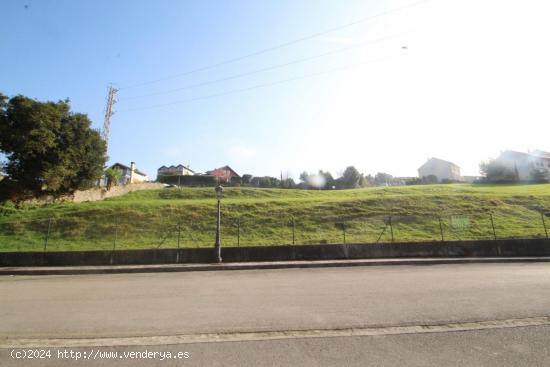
{"points": [[153, 218]]}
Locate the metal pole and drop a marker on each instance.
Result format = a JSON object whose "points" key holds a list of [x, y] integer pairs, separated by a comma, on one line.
{"points": [[179, 234], [47, 234], [178, 251], [544, 224], [217, 245], [116, 234], [344, 230], [114, 240], [493, 225], [391, 229], [293, 231], [441, 229]]}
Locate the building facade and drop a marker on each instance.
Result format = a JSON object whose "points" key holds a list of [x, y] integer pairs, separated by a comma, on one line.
{"points": [[526, 165], [224, 174], [441, 169], [179, 170], [130, 174]]}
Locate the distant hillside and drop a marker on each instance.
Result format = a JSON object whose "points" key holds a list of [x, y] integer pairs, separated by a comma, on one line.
{"points": [[152, 218]]}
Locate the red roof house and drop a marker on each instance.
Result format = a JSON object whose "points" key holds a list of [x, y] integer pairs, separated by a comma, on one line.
{"points": [[224, 174]]}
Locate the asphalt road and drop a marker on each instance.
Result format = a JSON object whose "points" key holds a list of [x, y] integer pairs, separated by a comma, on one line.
{"points": [[166, 304]]}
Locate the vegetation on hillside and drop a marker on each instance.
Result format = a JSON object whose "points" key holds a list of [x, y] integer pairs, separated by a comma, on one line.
{"points": [[157, 218]]}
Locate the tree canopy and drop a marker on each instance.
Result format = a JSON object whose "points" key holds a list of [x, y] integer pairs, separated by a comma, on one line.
{"points": [[48, 148]]}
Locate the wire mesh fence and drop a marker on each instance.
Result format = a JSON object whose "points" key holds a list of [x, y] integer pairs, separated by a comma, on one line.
{"points": [[175, 230]]}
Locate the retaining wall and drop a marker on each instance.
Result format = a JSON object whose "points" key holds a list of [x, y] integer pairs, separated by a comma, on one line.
{"points": [[489, 248]]}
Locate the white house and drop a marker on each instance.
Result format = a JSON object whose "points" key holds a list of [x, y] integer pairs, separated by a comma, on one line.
{"points": [[525, 164], [179, 170], [441, 169], [130, 175]]}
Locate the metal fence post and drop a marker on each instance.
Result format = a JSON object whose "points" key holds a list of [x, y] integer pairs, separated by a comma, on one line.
{"points": [[441, 229], [391, 228], [544, 223], [114, 240], [493, 225], [293, 231], [344, 231], [239, 232], [178, 250], [47, 234]]}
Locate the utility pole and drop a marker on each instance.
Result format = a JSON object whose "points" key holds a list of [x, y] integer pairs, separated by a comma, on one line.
{"points": [[109, 112]]}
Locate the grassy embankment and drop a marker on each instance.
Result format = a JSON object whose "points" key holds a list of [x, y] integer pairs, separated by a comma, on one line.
{"points": [[149, 219]]}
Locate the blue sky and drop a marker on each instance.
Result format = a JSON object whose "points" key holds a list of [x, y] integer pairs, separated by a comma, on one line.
{"points": [[472, 79]]}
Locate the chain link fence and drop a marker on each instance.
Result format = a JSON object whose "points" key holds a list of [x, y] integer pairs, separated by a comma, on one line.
{"points": [[115, 232]]}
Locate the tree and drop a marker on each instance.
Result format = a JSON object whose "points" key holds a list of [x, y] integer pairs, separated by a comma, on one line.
{"points": [[288, 183], [540, 175], [328, 180], [496, 171], [350, 178], [246, 179], [366, 181], [49, 149], [382, 178], [113, 176], [430, 179]]}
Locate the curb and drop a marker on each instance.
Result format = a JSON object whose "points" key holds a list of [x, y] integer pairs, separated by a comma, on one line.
{"points": [[125, 269]]}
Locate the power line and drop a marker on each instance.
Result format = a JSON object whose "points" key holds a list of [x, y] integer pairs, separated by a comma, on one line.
{"points": [[269, 68], [258, 86], [279, 46]]}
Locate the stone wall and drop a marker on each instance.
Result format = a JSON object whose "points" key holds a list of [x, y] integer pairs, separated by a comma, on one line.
{"points": [[96, 194], [100, 194]]}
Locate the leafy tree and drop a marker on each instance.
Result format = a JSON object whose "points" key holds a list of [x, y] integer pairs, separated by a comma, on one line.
{"points": [[540, 175], [329, 181], [430, 179], [304, 177], [48, 148], [113, 176], [350, 178], [366, 181], [414, 181], [382, 178], [246, 179], [288, 183], [496, 171]]}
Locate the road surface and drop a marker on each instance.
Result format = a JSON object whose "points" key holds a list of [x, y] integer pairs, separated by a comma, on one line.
{"points": [[470, 314]]}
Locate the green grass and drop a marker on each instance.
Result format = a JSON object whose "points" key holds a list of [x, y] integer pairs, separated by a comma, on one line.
{"points": [[150, 219]]}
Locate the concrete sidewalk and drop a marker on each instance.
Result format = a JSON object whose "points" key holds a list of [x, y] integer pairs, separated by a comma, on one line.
{"points": [[121, 269]]}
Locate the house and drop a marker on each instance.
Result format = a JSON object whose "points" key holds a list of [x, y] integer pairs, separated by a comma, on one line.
{"points": [[179, 170], [130, 175], [224, 174], [442, 170], [525, 164]]}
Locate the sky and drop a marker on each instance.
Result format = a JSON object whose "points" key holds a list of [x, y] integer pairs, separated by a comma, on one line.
{"points": [[291, 85]]}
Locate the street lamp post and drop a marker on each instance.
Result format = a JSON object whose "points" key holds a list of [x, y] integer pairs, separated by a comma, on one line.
{"points": [[218, 245]]}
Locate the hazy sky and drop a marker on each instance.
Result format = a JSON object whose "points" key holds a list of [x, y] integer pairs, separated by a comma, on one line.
{"points": [[455, 79]]}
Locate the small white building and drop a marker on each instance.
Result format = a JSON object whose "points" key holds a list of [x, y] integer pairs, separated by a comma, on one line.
{"points": [[130, 175], [525, 164], [179, 170], [443, 170]]}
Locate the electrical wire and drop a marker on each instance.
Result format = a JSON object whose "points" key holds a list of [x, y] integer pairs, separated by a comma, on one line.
{"points": [[279, 46], [269, 68], [258, 86]]}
